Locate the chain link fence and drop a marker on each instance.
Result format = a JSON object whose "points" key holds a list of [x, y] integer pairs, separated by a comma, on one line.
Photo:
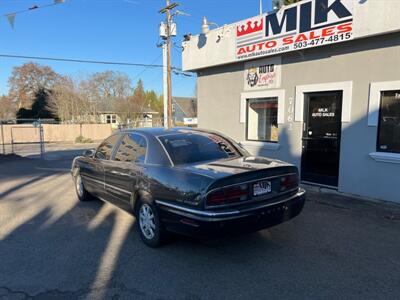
{"points": [[23, 137], [28, 137]]}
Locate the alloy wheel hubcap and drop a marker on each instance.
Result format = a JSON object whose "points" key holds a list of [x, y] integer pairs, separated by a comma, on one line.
{"points": [[79, 186], [147, 221]]}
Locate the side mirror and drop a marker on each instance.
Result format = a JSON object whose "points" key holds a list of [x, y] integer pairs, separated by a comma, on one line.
{"points": [[89, 153]]}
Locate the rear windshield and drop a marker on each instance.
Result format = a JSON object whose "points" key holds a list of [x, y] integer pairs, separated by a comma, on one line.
{"points": [[186, 148]]}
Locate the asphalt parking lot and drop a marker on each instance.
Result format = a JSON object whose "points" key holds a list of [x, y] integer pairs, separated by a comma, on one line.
{"points": [[53, 247]]}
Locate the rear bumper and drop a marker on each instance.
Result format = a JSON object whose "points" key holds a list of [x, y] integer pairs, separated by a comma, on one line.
{"points": [[205, 224]]}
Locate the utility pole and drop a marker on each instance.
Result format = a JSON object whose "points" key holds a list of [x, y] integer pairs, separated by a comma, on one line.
{"points": [[165, 85], [169, 81], [170, 30], [2, 137]]}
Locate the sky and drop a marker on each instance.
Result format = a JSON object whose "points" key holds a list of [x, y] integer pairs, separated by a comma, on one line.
{"points": [[108, 30]]}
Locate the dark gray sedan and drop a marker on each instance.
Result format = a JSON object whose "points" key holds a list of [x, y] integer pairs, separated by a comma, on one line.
{"points": [[188, 181]]}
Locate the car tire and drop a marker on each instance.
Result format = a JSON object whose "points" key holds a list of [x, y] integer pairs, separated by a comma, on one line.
{"points": [[81, 192], [149, 225]]}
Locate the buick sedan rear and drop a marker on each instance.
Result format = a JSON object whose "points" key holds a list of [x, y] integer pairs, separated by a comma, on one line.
{"points": [[188, 181]]}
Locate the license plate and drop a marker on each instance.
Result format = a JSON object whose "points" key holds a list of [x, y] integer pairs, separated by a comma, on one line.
{"points": [[261, 188]]}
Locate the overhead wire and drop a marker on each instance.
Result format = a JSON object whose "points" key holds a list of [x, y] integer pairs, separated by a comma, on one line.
{"points": [[103, 62], [146, 68]]}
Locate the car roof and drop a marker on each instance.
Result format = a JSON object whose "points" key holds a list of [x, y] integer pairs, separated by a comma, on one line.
{"points": [[159, 131], [153, 133]]}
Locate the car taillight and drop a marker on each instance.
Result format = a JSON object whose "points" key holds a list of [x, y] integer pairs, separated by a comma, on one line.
{"points": [[216, 198], [228, 195], [289, 182]]}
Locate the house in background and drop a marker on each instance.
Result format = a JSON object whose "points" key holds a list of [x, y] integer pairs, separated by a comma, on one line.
{"points": [[108, 115], [184, 111]]}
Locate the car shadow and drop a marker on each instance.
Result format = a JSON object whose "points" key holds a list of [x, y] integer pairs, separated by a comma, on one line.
{"points": [[58, 247]]}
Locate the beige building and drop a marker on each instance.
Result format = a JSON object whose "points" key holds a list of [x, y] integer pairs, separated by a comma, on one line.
{"points": [[316, 84]]}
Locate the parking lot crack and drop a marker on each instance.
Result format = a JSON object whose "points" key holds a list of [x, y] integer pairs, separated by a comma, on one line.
{"points": [[56, 293]]}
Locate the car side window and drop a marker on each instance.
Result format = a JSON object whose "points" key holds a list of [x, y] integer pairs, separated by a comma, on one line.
{"points": [[132, 148], [105, 149]]}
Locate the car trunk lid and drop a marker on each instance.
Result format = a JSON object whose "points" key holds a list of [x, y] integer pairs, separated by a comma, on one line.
{"points": [[233, 166], [237, 181]]}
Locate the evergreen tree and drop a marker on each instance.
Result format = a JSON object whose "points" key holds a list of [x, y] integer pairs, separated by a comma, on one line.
{"points": [[40, 107]]}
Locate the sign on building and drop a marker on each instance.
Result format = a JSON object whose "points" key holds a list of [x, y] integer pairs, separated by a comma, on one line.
{"points": [[306, 25], [262, 74]]}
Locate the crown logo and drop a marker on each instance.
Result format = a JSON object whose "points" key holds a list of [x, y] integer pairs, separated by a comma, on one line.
{"points": [[250, 27]]}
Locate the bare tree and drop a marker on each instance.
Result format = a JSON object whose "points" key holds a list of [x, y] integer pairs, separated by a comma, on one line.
{"points": [[107, 85], [65, 101], [7, 108], [132, 108], [106, 91], [80, 101], [288, 2], [27, 80], [71, 104], [279, 3]]}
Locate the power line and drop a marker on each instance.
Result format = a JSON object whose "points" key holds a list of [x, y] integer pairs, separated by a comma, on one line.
{"points": [[146, 68], [86, 61]]}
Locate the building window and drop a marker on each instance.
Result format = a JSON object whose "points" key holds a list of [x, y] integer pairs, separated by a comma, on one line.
{"points": [[389, 122], [111, 119], [262, 120]]}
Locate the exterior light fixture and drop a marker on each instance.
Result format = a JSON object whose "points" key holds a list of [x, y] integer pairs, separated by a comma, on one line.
{"points": [[205, 26]]}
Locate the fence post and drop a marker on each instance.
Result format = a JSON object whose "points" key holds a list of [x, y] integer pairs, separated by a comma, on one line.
{"points": [[41, 135], [12, 141], [2, 137]]}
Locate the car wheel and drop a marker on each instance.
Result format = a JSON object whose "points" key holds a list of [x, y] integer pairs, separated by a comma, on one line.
{"points": [[149, 225], [81, 192]]}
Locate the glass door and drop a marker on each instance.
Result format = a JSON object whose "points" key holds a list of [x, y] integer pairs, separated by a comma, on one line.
{"points": [[321, 138]]}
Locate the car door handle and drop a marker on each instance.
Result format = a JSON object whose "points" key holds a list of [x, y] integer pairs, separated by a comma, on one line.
{"points": [[117, 173], [120, 174]]}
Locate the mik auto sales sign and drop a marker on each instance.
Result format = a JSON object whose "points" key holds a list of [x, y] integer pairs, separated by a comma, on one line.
{"points": [[304, 25]]}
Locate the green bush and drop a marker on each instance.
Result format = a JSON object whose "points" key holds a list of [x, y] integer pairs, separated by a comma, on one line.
{"points": [[82, 140]]}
